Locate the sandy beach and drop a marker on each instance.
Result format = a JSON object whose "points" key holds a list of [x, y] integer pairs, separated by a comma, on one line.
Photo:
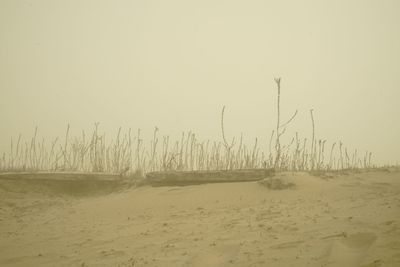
{"points": [[348, 219]]}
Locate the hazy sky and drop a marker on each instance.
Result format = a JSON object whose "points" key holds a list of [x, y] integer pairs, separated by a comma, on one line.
{"points": [[174, 64]]}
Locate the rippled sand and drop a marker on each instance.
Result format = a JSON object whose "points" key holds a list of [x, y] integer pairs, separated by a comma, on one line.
{"points": [[317, 220]]}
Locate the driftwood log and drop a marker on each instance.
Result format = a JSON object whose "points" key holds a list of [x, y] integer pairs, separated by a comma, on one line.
{"points": [[171, 178]]}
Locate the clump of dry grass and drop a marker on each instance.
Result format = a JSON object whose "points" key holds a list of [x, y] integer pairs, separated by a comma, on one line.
{"points": [[129, 154]]}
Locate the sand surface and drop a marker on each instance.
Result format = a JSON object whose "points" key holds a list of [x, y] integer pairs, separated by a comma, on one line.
{"points": [[326, 220]]}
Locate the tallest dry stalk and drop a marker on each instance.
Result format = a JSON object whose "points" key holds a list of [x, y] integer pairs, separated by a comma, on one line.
{"points": [[277, 143]]}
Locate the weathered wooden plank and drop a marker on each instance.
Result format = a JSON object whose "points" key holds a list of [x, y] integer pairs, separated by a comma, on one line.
{"points": [[60, 176], [64, 183], [201, 177]]}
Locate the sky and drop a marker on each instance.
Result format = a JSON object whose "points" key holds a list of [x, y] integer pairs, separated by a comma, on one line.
{"points": [[174, 65]]}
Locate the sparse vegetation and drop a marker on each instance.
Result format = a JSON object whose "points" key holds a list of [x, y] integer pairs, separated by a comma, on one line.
{"points": [[129, 154]]}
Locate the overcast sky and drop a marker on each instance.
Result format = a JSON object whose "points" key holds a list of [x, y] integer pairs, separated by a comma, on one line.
{"points": [[174, 64]]}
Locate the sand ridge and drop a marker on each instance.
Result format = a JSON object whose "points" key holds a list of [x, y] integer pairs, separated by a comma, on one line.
{"points": [[334, 220]]}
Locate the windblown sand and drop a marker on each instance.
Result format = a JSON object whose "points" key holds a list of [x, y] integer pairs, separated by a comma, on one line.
{"points": [[297, 219]]}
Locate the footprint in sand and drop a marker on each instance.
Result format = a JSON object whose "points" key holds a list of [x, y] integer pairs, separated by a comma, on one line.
{"points": [[112, 253], [219, 256], [287, 245], [350, 251]]}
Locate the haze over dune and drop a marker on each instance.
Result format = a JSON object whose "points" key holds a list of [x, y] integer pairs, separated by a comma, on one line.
{"points": [[199, 133], [175, 64]]}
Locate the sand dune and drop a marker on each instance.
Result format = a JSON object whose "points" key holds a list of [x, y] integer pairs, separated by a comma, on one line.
{"points": [[295, 219]]}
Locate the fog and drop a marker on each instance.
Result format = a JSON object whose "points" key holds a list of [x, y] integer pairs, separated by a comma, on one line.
{"points": [[175, 64]]}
